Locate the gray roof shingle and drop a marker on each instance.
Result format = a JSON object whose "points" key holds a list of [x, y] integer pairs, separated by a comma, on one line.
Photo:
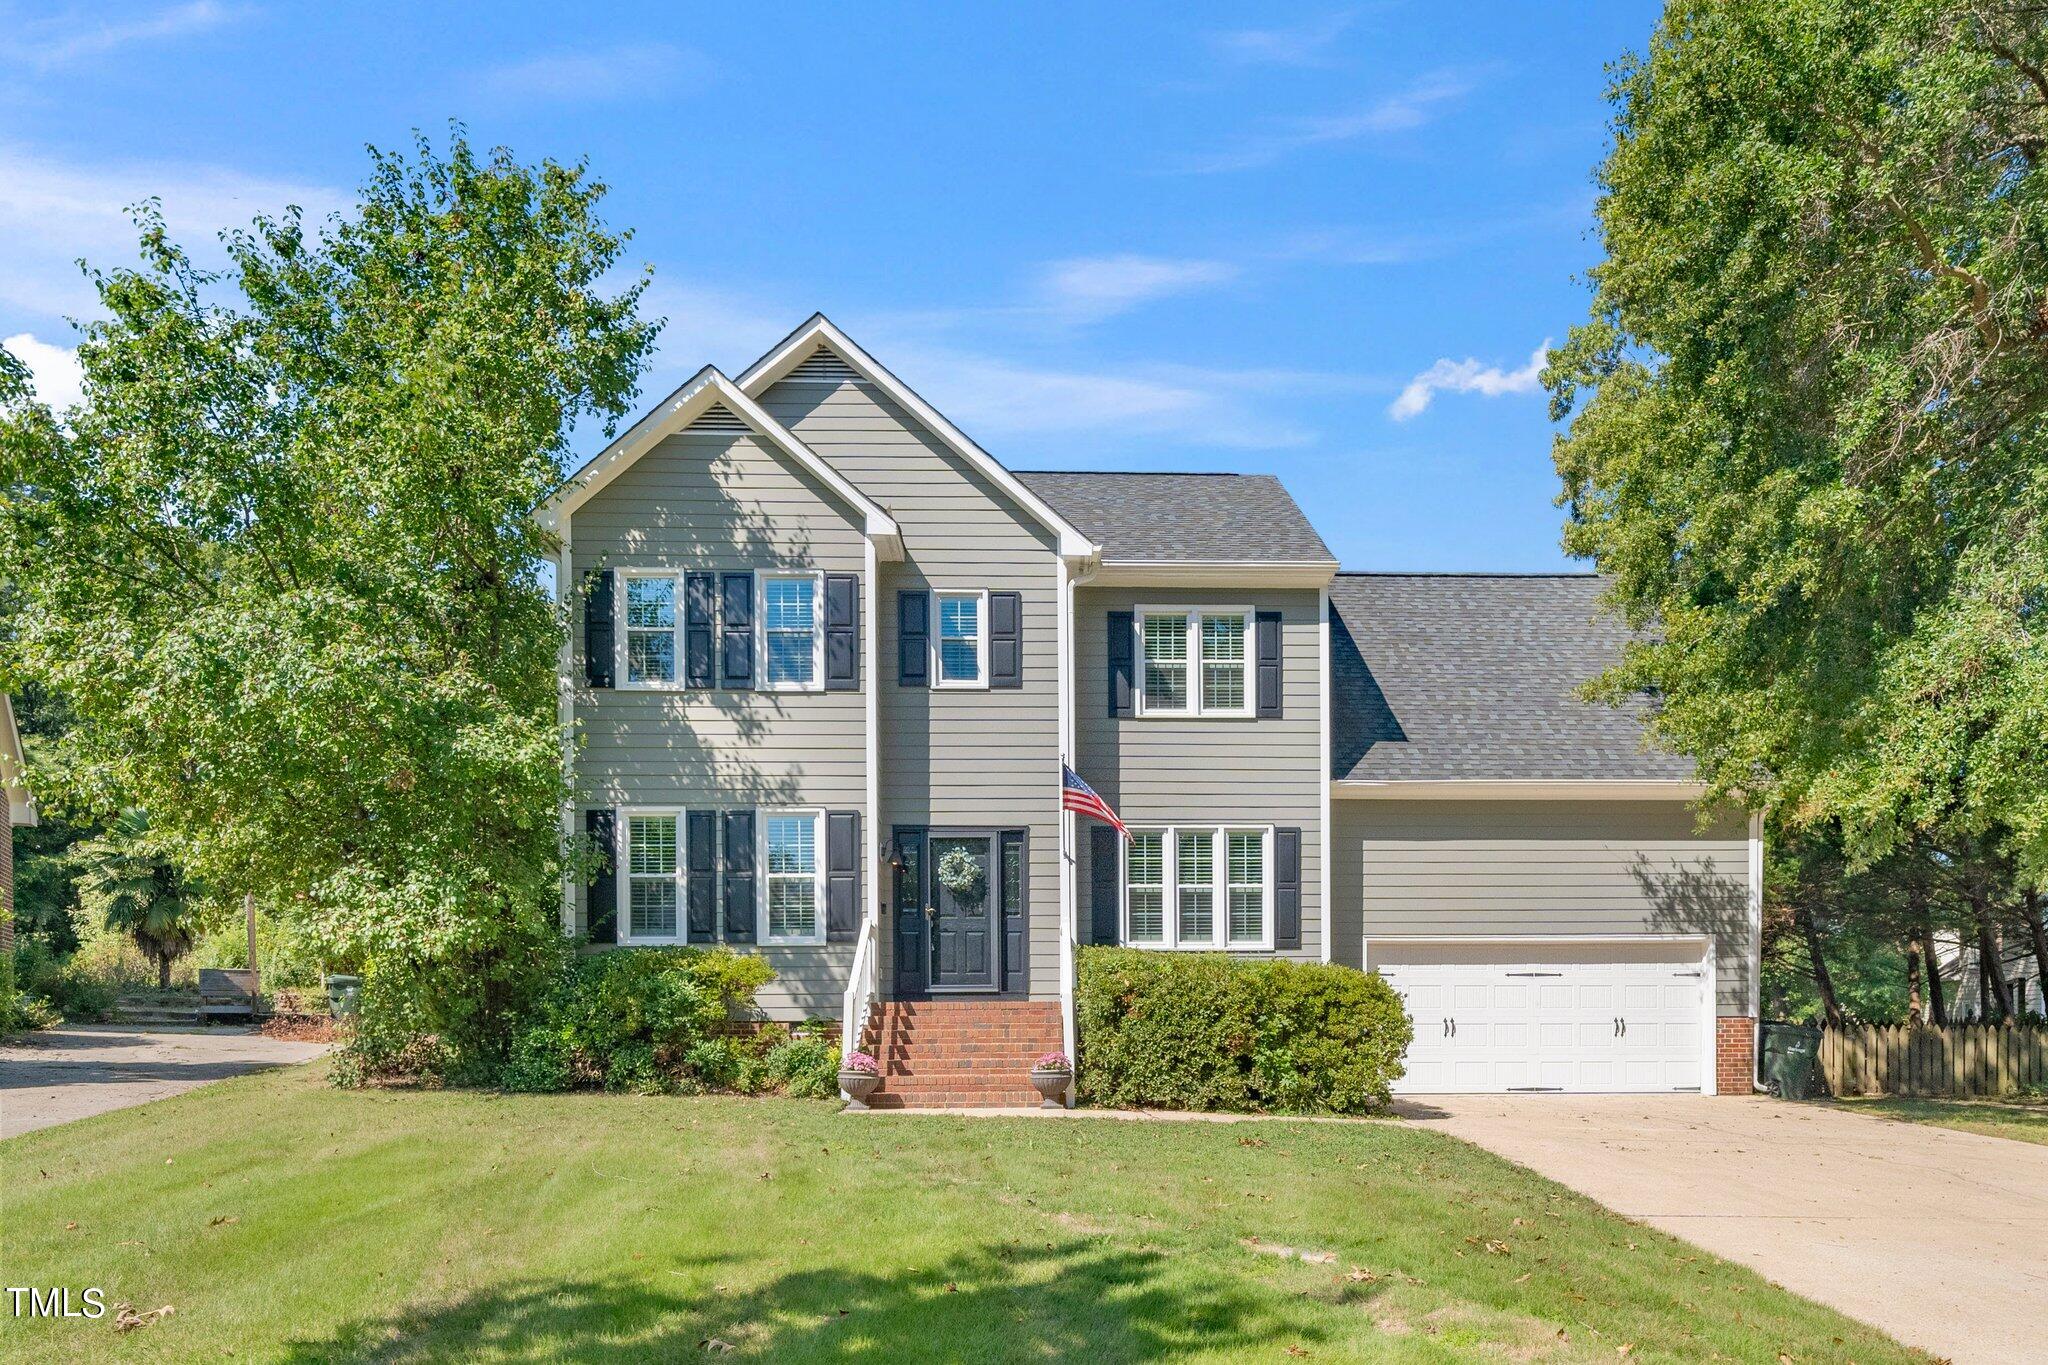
{"points": [[1183, 517], [1473, 676]]}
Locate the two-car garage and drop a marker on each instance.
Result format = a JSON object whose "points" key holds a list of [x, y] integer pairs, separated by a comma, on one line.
{"points": [[1568, 1016]]}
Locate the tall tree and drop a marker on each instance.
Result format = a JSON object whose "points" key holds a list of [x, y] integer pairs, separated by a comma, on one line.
{"points": [[126, 880], [1808, 419], [281, 562]]}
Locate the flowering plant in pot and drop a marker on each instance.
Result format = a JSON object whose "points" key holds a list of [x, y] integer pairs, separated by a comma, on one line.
{"points": [[860, 1075], [1050, 1075]]}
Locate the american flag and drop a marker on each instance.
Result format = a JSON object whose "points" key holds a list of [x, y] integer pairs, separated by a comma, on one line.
{"points": [[1077, 795]]}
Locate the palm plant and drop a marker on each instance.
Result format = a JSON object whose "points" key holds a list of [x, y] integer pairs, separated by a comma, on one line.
{"points": [[124, 879]]}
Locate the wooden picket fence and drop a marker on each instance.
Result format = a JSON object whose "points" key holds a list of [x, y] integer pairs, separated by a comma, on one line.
{"points": [[1959, 1061]]}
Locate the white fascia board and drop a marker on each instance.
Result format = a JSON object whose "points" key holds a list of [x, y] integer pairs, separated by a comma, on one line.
{"points": [[1215, 573], [791, 350], [13, 769], [1596, 789], [683, 407]]}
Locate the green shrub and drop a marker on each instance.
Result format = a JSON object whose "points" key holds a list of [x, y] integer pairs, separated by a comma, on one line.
{"points": [[61, 986], [1205, 1031], [807, 1068]]}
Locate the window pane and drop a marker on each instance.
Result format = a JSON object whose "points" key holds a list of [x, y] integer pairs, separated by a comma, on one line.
{"points": [[1013, 874], [1197, 862], [1147, 859], [653, 908], [1248, 859], [792, 844], [653, 842], [1223, 663], [959, 617], [1197, 915], [790, 657], [1166, 662], [959, 639], [650, 656], [1247, 915], [651, 603], [789, 603], [1148, 916], [1166, 639], [959, 661], [792, 909]]}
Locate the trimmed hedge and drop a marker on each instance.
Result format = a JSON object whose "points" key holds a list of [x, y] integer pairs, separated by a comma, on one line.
{"points": [[1210, 1032]]}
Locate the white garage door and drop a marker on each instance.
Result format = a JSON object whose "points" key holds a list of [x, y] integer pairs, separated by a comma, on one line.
{"points": [[1586, 1020]]}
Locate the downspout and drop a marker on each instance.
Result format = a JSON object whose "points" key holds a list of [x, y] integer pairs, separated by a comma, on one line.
{"points": [[1756, 953], [565, 713], [1070, 576], [1326, 838]]}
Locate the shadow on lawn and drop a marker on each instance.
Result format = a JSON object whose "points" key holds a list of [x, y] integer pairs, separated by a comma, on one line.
{"points": [[996, 1302]]}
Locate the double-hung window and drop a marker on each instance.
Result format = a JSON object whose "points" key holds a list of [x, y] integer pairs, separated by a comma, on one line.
{"points": [[793, 906], [650, 629], [1196, 662], [792, 645], [1199, 886], [653, 878], [960, 646]]}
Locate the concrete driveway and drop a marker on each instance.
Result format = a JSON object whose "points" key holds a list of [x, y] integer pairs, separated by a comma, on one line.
{"points": [[72, 1073], [1934, 1236]]}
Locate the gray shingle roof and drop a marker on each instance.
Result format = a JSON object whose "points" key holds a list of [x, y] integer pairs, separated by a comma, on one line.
{"points": [[1183, 517], [1455, 676]]}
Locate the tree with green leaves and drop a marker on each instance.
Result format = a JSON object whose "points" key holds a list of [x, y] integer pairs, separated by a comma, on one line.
{"points": [[126, 881], [281, 563], [1808, 418]]}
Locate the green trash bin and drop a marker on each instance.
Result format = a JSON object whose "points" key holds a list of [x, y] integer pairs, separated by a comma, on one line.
{"points": [[1791, 1060], [342, 994]]}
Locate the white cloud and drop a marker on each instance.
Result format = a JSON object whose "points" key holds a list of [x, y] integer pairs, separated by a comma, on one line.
{"points": [[53, 212], [1467, 376], [1400, 112], [1090, 288], [627, 71], [54, 370], [57, 42], [1305, 44]]}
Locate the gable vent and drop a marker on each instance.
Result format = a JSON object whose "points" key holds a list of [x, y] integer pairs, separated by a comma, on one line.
{"points": [[822, 367], [718, 417]]}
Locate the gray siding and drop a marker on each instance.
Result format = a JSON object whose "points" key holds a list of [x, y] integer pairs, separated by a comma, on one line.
{"points": [[1483, 869], [720, 501], [1158, 770], [970, 758]]}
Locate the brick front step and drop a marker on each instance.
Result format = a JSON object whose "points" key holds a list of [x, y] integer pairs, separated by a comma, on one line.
{"points": [[952, 1054]]}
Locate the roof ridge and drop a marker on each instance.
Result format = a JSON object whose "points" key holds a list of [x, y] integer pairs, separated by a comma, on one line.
{"points": [[1467, 573], [1157, 473]]}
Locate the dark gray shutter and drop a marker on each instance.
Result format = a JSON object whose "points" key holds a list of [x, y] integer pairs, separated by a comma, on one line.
{"points": [[842, 875], [912, 953], [1269, 663], [1005, 639], [598, 640], [1015, 896], [736, 629], [1105, 882], [700, 609], [601, 895], [842, 632], [913, 637], [1122, 665], [739, 876], [1287, 888], [700, 839]]}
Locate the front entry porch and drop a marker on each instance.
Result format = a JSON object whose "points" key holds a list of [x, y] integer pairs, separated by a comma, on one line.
{"points": [[958, 913]]}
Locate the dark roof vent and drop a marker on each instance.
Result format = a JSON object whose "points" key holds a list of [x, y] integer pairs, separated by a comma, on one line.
{"points": [[719, 418], [822, 366]]}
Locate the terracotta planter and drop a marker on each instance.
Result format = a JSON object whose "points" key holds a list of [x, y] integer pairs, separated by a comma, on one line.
{"points": [[858, 1085], [1051, 1087]]}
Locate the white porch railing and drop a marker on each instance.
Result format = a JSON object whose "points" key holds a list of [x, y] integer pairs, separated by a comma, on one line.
{"points": [[863, 988]]}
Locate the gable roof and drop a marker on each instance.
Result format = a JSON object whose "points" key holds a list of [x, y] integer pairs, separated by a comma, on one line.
{"points": [[14, 797], [819, 330], [706, 389], [1184, 518], [1472, 677]]}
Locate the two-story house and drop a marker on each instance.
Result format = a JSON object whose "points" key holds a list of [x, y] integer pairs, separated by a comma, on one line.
{"points": [[832, 657]]}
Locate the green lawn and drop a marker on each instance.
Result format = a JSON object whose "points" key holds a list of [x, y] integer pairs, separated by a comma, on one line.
{"points": [[282, 1219], [2025, 1121]]}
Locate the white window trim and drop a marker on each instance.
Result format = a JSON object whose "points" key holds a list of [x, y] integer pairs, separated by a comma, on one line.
{"points": [[937, 674], [816, 579], [762, 876], [623, 917], [1195, 709], [622, 677], [1219, 940]]}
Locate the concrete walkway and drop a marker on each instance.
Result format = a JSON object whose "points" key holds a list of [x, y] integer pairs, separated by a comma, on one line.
{"points": [[1932, 1235], [73, 1073]]}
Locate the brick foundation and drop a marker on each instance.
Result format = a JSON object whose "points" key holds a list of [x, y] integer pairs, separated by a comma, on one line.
{"points": [[951, 1054], [1735, 1055]]}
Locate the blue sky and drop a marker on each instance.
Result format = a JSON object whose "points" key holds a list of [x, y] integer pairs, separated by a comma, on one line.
{"points": [[1322, 242]]}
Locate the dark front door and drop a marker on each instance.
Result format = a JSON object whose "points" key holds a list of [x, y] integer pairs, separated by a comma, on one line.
{"points": [[964, 928]]}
